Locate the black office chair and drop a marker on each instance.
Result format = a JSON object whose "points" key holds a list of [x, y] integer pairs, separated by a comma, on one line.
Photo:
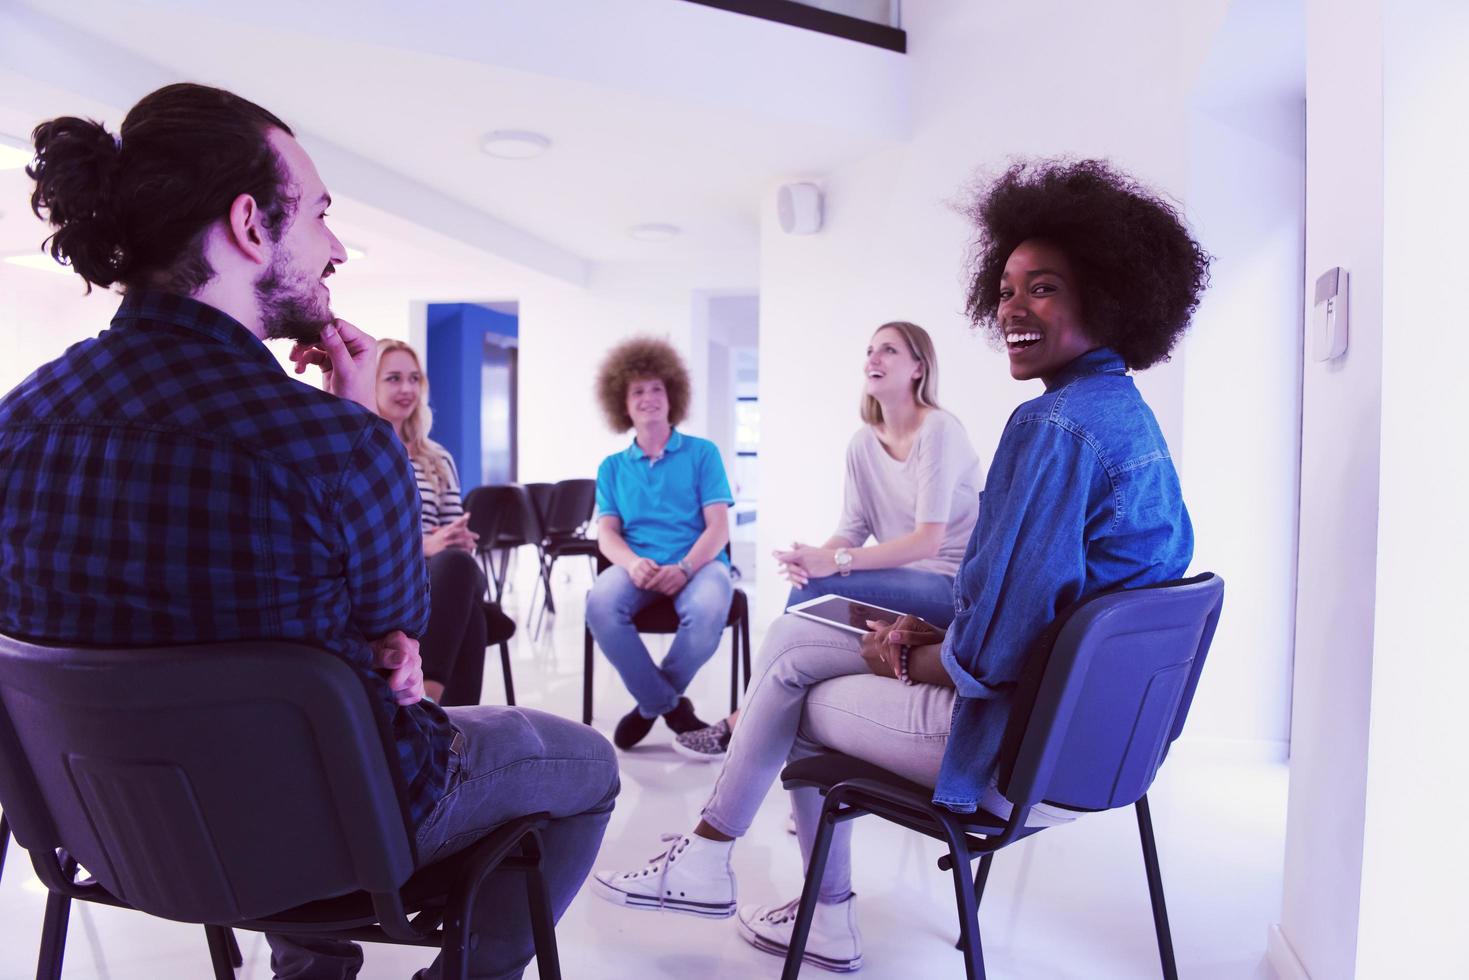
{"points": [[566, 514], [519, 526], [490, 510], [662, 617], [1106, 689], [238, 785]]}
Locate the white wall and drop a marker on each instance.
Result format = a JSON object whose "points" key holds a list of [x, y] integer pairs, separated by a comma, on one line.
{"points": [[1339, 494], [1413, 901]]}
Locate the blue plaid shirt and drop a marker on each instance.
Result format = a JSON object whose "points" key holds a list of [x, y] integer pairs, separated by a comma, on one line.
{"points": [[167, 483]]}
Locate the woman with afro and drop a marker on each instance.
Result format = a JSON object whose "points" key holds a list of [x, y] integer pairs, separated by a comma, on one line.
{"points": [[1083, 275], [663, 522]]}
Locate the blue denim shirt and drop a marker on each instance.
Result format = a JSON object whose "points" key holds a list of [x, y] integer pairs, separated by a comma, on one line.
{"points": [[1082, 496]]}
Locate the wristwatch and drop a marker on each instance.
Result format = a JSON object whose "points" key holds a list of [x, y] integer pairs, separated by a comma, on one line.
{"points": [[686, 568], [843, 558]]}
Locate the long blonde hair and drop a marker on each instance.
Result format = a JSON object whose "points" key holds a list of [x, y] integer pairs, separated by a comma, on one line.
{"points": [[925, 386], [416, 427]]}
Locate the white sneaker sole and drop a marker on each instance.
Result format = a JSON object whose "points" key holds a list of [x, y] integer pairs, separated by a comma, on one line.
{"points": [[697, 756], [649, 903], [780, 949]]}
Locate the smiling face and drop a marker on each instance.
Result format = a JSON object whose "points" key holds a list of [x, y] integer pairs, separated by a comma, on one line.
{"points": [[399, 387], [890, 368], [294, 300], [647, 402], [1040, 311]]}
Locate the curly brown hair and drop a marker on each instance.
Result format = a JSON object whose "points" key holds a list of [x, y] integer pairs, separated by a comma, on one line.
{"points": [[639, 359], [1141, 272]]}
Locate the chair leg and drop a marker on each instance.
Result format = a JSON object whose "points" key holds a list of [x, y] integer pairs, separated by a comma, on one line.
{"points": [[4, 841], [237, 959], [53, 937], [734, 670], [586, 679], [219, 952], [542, 920], [745, 648], [981, 875], [814, 873], [968, 905], [1155, 888], [505, 669]]}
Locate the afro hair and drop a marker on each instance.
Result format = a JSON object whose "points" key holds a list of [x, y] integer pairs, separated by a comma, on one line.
{"points": [[635, 360]]}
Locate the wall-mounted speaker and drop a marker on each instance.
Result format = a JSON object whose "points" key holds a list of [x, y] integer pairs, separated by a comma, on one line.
{"points": [[799, 207]]}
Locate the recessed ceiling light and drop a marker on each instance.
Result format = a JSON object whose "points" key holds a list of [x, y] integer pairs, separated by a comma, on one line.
{"points": [[44, 263], [514, 144], [14, 153], [654, 232], [354, 253]]}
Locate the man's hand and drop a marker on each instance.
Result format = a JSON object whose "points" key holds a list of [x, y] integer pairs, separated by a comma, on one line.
{"points": [[348, 361], [642, 571], [880, 656], [397, 653], [669, 579]]}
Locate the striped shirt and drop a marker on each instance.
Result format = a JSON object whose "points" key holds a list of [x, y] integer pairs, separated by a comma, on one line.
{"points": [[439, 506], [168, 483]]}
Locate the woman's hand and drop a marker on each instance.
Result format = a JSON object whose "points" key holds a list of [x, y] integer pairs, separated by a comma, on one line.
{"points": [[910, 631], [455, 534], [802, 562], [880, 656]]}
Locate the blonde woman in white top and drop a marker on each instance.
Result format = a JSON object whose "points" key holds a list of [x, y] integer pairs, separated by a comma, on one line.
{"points": [[912, 491]]}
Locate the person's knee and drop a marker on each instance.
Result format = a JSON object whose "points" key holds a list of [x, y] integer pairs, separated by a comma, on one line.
{"points": [[606, 602], [454, 569]]}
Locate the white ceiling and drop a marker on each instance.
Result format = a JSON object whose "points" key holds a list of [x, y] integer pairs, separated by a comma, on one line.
{"points": [[658, 111]]}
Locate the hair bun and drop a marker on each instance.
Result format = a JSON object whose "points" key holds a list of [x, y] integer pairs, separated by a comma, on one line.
{"points": [[75, 168]]}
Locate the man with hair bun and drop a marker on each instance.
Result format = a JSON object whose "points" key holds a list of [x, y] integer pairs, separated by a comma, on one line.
{"points": [[663, 506], [168, 483]]}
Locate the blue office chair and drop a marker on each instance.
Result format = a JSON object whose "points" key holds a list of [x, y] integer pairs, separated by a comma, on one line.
{"points": [[234, 785], [1106, 689]]}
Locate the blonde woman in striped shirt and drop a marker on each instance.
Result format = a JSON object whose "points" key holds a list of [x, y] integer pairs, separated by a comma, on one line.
{"points": [[453, 645]]}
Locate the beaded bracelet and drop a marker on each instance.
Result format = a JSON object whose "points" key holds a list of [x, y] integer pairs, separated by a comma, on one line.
{"points": [[903, 653]]}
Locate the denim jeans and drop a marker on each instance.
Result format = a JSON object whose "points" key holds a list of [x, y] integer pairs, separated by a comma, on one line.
{"points": [[509, 762], [928, 595], [813, 693], [703, 610]]}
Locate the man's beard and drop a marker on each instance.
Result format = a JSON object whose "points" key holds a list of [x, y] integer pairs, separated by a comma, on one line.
{"points": [[290, 306]]}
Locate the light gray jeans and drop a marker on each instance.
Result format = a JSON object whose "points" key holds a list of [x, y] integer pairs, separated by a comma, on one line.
{"points": [[813, 693]]}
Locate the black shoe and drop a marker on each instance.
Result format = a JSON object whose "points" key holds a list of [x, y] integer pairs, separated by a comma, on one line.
{"points": [[682, 718], [632, 729]]}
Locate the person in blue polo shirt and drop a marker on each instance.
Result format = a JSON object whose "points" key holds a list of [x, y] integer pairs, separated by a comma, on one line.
{"points": [[663, 522]]}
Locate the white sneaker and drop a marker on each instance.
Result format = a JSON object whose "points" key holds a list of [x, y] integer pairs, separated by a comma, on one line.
{"points": [[693, 876], [833, 943]]}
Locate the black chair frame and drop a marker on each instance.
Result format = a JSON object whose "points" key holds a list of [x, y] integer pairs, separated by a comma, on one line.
{"points": [[853, 788], [198, 803], [660, 618], [489, 509]]}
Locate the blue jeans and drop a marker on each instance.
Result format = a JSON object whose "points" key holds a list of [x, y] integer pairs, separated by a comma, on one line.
{"points": [[508, 762], [703, 611], [927, 595]]}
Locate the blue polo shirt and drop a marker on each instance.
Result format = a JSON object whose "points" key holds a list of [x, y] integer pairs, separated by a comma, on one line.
{"points": [[661, 502]]}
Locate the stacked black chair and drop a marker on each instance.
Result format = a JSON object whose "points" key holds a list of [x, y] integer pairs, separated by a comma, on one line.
{"points": [[1106, 689], [662, 617], [490, 510], [519, 526], [565, 518], [239, 785]]}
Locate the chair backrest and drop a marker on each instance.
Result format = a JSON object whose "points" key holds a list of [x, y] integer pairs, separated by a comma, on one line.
{"points": [[501, 514], [1111, 695], [570, 509], [206, 783]]}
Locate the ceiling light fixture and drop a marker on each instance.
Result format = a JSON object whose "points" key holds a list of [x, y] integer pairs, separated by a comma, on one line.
{"points": [[654, 232], [42, 263], [514, 144], [14, 153]]}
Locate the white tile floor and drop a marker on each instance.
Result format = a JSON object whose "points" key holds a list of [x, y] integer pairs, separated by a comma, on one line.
{"points": [[1069, 903]]}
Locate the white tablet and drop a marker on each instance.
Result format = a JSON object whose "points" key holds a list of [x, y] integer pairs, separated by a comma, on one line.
{"points": [[843, 613]]}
